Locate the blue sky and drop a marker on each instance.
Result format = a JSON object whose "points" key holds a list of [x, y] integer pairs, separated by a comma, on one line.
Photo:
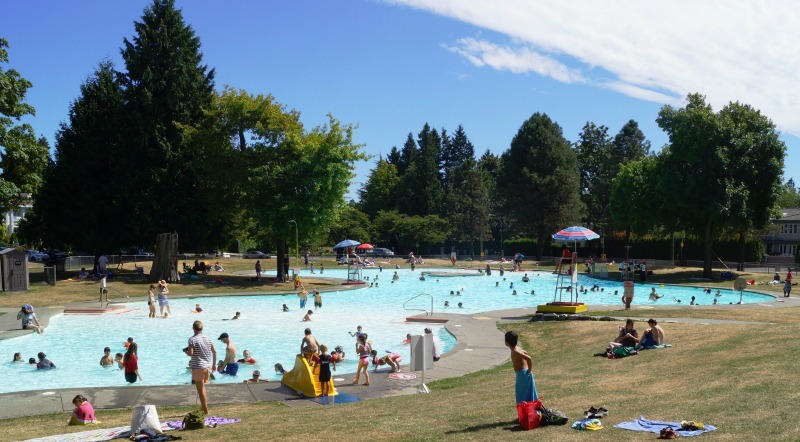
{"points": [[392, 66]]}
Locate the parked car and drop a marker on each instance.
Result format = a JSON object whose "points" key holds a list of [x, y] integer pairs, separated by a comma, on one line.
{"points": [[55, 255], [380, 252], [255, 254], [37, 256]]}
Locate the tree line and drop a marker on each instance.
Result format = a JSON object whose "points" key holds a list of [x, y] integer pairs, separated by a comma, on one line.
{"points": [[155, 147]]}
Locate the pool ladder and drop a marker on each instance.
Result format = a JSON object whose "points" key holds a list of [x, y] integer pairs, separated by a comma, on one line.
{"points": [[427, 313]]}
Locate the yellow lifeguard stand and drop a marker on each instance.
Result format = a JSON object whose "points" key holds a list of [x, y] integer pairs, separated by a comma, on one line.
{"points": [[304, 380]]}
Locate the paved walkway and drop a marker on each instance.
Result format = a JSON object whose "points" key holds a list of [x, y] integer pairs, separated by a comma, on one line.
{"points": [[479, 346]]}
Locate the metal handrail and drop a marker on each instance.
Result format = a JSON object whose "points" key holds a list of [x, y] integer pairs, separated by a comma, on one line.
{"points": [[420, 309]]}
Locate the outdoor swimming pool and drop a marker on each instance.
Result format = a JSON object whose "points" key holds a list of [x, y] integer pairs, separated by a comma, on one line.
{"points": [[75, 342]]}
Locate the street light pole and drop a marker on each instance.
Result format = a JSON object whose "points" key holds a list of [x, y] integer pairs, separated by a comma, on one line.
{"points": [[296, 245]]}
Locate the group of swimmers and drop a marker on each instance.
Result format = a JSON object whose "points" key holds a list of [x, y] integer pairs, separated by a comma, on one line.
{"points": [[42, 364]]}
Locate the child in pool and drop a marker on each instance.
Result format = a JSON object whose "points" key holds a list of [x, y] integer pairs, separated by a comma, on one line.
{"points": [[285, 308], [246, 359], [279, 369], [17, 357], [197, 309], [307, 317], [525, 388], [256, 378], [83, 414]]}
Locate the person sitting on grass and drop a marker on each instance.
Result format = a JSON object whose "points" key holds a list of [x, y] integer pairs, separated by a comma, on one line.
{"points": [[83, 414], [653, 336], [628, 337]]}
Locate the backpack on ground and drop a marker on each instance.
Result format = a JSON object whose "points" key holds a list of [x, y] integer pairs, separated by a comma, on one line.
{"points": [[194, 420]]}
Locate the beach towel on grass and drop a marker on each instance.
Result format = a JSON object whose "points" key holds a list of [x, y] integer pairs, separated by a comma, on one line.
{"points": [[94, 435], [643, 424], [211, 421]]}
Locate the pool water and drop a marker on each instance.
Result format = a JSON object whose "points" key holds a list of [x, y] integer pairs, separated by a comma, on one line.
{"points": [[75, 342]]}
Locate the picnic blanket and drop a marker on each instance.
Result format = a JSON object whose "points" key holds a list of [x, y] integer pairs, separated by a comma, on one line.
{"points": [[211, 421], [93, 435], [643, 424]]}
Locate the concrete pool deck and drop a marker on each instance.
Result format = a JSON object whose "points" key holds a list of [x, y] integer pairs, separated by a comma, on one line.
{"points": [[479, 346]]}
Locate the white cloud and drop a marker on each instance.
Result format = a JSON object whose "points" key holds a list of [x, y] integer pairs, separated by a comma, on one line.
{"points": [[517, 60], [659, 50]]}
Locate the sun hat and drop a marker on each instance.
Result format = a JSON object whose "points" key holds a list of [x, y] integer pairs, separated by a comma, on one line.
{"points": [[256, 373]]}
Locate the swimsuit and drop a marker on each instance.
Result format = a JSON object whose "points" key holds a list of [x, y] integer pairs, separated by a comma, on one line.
{"points": [[364, 354], [525, 388], [325, 368], [231, 369], [648, 340]]}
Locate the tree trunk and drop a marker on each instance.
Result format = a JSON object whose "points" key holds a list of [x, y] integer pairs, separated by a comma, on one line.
{"points": [[165, 259], [672, 247], [707, 243], [627, 236], [740, 264], [280, 269], [541, 237]]}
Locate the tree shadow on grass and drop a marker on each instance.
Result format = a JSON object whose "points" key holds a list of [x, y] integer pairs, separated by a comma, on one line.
{"points": [[512, 425]]}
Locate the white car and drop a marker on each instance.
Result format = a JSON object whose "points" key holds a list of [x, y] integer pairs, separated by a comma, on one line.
{"points": [[37, 256], [255, 254]]}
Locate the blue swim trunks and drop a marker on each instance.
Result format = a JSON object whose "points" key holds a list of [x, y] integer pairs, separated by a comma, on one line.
{"points": [[231, 369], [525, 388], [303, 303]]}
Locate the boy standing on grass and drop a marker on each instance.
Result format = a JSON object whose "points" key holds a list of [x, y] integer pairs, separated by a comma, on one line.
{"points": [[525, 388]]}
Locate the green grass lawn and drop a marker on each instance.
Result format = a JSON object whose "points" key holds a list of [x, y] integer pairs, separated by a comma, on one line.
{"points": [[738, 378]]}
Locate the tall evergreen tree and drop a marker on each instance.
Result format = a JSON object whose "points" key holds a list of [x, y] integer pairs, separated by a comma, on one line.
{"points": [[597, 171], [380, 190], [80, 180], [166, 87], [540, 180]]}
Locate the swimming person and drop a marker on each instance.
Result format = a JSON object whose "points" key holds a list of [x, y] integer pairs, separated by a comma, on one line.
{"points": [[256, 378], [83, 414], [201, 350], [525, 387], [246, 358], [130, 362], [44, 363], [106, 360], [17, 357], [307, 317], [229, 365], [279, 369], [654, 296], [29, 319]]}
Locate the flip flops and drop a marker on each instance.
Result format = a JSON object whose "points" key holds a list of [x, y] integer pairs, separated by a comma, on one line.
{"points": [[595, 413]]}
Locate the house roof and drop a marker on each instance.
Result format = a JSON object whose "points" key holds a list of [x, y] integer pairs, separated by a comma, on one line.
{"points": [[789, 214]]}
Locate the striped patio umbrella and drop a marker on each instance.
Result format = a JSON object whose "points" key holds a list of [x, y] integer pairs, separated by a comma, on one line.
{"points": [[575, 233]]}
